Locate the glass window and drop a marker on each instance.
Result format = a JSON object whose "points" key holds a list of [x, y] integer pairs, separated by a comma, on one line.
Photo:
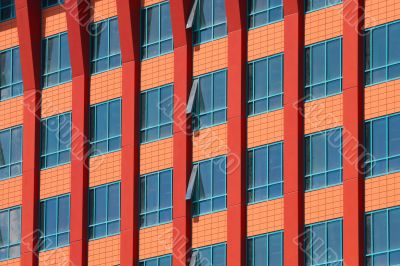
{"points": [[10, 74], [324, 244], [158, 261], [323, 71], [156, 198], [157, 30], [104, 210], [382, 139], [210, 103], [382, 53], [313, 5], [7, 10], [49, 3], [266, 250], [323, 152], [54, 222], [382, 237], [10, 152], [265, 79], [106, 52], [56, 140], [56, 62], [264, 173], [156, 113], [105, 127], [263, 12], [210, 21], [210, 186], [214, 255], [10, 232]]}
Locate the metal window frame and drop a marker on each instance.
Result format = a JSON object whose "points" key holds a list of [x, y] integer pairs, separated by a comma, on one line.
{"points": [[210, 247], [157, 259], [8, 245], [13, 82], [12, 15], [10, 164], [253, 13], [45, 3], [327, 4], [267, 235]]}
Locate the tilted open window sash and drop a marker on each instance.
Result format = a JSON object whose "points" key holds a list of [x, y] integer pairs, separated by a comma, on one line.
{"points": [[193, 259], [192, 96], [192, 15], [192, 180]]}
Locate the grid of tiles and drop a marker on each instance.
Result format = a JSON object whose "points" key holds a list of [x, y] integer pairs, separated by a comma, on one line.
{"points": [[209, 229], [210, 142], [11, 112], [8, 34], [104, 251], [55, 181], [54, 20], [105, 169], [156, 156], [382, 99], [157, 71], [209, 57], [57, 100], [155, 241], [265, 128], [265, 217], [106, 86]]}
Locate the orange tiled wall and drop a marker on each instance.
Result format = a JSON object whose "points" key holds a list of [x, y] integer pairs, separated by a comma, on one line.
{"points": [[209, 57], [8, 34], [382, 99], [104, 251], [323, 24], [13, 262], [382, 192], [145, 3], [55, 181], [265, 41], [59, 257], [265, 217], [381, 11], [57, 100], [265, 128], [323, 204], [11, 192], [323, 114], [105, 169], [11, 112], [54, 20], [155, 241], [157, 71], [106, 86], [156, 156], [104, 9], [210, 142], [209, 229]]}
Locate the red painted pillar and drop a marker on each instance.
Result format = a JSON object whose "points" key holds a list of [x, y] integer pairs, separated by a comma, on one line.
{"points": [[236, 12], [183, 67], [78, 19], [29, 31], [353, 121], [129, 28], [293, 132]]}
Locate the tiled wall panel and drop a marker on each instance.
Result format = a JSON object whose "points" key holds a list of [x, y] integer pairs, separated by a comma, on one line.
{"points": [[11, 112], [106, 86], [210, 142], [209, 229], [54, 20], [265, 128], [209, 57], [57, 100], [105, 169], [56, 257], [265, 217], [381, 11], [155, 241], [382, 99], [104, 9], [8, 34], [156, 156], [265, 41], [157, 71], [104, 251], [55, 181], [382, 192], [11, 192]]}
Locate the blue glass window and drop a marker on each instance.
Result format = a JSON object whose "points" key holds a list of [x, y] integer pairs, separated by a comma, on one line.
{"points": [[382, 237], [263, 12], [105, 127], [210, 186], [156, 113], [264, 177], [382, 53], [157, 30], [156, 198], [10, 74], [7, 10], [106, 52], [49, 3], [210, 21], [11, 152], [265, 250], [323, 152], [323, 71], [382, 139], [10, 232], [323, 243], [104, 210], [54, 222], [210, 103], [158, 261], [313, 5], [56, 140], [265, 79], [214, 255]]}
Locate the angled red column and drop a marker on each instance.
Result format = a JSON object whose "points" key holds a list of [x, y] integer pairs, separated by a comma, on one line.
{"points": [[236, 12], [29, 31], [78, 19], [129, 28], [293, 132], [183, 67], [353, 121]]}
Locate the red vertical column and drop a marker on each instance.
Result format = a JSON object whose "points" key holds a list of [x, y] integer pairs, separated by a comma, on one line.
{"points": [[28, 15], [236, 12], [293, 132], [182, 143], [353, 119], [78, 21], [129, 28]]}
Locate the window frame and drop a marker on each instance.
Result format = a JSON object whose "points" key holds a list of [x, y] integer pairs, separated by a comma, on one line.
{"points": [[13, 83], [19, 162], [18, 243], [12, 10], [267, 235], [327, 5], [252, 13], [211, 247], [45, 3], [157, 259]]}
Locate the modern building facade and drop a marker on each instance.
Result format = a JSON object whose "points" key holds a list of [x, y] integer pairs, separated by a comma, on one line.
{"points": [[205, 132]]}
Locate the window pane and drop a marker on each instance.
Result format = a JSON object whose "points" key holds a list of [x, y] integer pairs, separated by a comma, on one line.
{"points": [[275, 163], [15, 226], [318, 63], [63, 214], [334, 54], [275, 75], [113, 202], [380, 231], [52, 60], [152, 192], [394, 232], [153, 24], [219, 11], [318, 153], [379, 138], [275, 249], [4, 148], [205, 91], [166, 28], [51, 217], [334, 149], [114, 37], [394, 135], [205, 179], [5, 68], [165, 189], [260, 167], [260, 79], [100, 204], [334, 241], [115, 118], [219, 90], [260, 251], [379, 47], [219, 255], [394, 43], [219, 176], [4, 228], [205, 14], [101, 121]]}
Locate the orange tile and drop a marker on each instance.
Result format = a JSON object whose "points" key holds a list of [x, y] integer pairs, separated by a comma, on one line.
{"points": [[57, 100], [265, 41], [104, 9], [145, 3], [104, 251], [210, 142], [105, 169], [54, 20], [157, 71], [210, 57], [13, 262], [382, 99], [381, 11], [106, 86], [156, 156], [265, 128], [209, 229], [59, 257], [155, 241], [11, 112], [265, 217], [382, 192], [8, 34], [55, 181], [10, 192]]}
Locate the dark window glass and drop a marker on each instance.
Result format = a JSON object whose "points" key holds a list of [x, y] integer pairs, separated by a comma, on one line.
{"points": [[263, 12], [10, 152], [10, 74], [214, 255], [158, 261], [49, 3], [265, 250], [10, 232], [313, 5], [7, 10]]}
